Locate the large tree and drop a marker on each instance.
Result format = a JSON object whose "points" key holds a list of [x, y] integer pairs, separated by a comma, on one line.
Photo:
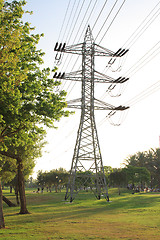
{"points": [[137, 176], [24, 154], [28, 99], [149, 159], [118, 178]]}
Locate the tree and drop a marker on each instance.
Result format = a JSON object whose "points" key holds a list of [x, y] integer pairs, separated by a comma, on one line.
{"points": [[137, 175], [151, 161], [25, 155], [156, 166], [27, 97], [56, 177], [7, 169], [2, 224], [118, 178], [107, 171]]}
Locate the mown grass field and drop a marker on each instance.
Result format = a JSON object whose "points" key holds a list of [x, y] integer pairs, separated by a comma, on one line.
{"points": [[127, 216]]}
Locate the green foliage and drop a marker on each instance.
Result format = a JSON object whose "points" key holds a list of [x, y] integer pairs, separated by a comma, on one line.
{"points": [[84, 179], [56, 177], [137, 175], [27, 94], [151, 161], [118, 178], [7, 169], [28, 97]]}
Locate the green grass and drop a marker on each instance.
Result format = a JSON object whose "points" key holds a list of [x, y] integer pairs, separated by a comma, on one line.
{"points": [[126, 217]]}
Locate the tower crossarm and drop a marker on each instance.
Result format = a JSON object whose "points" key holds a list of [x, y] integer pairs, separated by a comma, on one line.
{"points": [[75, 103], [102, 78], [74, 49], [100, 105], [74, 76], [98, 50], [101, 51], [98, 77]]}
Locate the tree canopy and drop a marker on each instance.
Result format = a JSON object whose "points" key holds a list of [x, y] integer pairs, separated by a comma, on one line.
{"points": [[27, 94], [151, 161], [28, 97]]}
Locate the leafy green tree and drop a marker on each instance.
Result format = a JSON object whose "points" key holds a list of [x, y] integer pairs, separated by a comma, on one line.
{"points": [[25, 155], [28, 100], [156, 171], [137, 175], [2, 223], [7, 169], [107, 171], [150, 160], [118, 178], [56, 177]]}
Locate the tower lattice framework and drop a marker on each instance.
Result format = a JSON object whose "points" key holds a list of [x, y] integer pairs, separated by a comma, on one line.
{"points": [[87, 166]]}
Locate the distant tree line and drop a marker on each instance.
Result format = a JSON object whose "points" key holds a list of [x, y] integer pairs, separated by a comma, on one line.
{"points": [[140, 170], [56, 178], [149, 160]]}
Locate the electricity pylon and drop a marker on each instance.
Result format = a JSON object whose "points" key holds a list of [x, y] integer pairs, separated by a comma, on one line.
{"points": [[87, 166]]}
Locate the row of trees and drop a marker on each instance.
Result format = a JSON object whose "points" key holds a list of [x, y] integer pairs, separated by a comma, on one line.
{"points": [[55, 177], [135, 176], [28, 99], [149, 160], [140, 170]]}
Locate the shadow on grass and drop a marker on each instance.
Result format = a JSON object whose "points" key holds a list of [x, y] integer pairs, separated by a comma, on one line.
{"points": [[52, 208]]}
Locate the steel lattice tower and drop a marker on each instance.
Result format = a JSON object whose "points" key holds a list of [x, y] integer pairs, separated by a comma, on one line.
{"points": [[87, 166]]}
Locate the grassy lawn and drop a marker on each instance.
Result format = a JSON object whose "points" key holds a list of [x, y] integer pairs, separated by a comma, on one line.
{"points": [[127, 216]]}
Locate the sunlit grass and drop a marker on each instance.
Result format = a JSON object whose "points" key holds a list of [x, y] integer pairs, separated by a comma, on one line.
{"points": [[128, 216]]}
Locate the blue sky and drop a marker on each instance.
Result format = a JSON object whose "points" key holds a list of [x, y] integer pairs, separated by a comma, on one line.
{"points": [[140, 129]]}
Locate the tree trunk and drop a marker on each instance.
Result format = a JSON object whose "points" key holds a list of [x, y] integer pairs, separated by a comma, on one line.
{"points": [[8, 202], [21, 186], [2, 224], [151, 182], [119, 191], [16, 192], [23, 209], [10, 189]]}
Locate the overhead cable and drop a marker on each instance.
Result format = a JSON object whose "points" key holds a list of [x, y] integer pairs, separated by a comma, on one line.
{"points": [[106, 19], [69, 19], [144, 60], [67, 40], [130, 42], [64, 19], [144, 94], [112, 21], [99, 14]]}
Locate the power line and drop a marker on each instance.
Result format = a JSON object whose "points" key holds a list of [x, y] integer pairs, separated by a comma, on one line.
{"points": [[67, 40], [143, 60], [95, 3], [99, 14], [106, 18], [149, 22], [151, 54], [112, 21], [64, 19], [69, 19], [144, 94]]}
